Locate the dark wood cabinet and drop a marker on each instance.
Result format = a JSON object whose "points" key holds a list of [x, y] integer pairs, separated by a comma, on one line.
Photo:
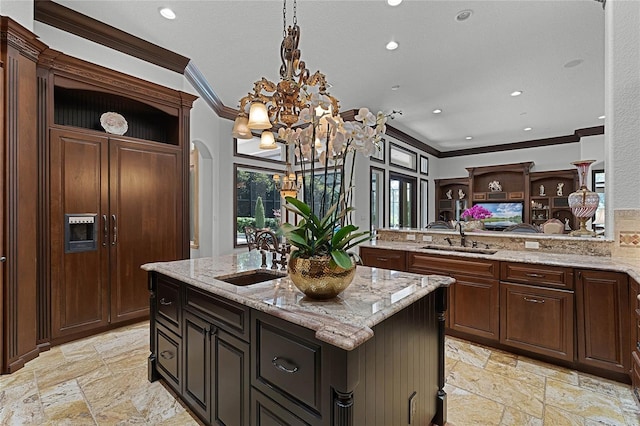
{"points": [[21, 159], [233, 365], [549, 196], [474, 298], [134, 190], [602, 302], [634, 324], [451, 198], [537, 319], [382, 258]]}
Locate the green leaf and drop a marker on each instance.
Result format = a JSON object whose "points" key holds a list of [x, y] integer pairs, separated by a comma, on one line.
{"points": [[341, 234], [304, 209], [341, 258]]}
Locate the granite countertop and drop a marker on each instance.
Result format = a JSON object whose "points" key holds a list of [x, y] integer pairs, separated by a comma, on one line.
{"points": [[630, 266], [345, 321]]}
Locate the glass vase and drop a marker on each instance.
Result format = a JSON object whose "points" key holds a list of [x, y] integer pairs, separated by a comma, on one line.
{"points": [[583, 202]]}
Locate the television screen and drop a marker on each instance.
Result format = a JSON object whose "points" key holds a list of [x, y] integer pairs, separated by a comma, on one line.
{"points": [[503, 215]]}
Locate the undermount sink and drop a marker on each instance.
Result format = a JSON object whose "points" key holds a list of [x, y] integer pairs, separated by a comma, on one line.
{"points": [[461, 249], [251, 277]]}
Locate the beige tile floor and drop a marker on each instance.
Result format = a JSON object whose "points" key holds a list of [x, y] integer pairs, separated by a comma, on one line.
{"points": [[103, 380]]}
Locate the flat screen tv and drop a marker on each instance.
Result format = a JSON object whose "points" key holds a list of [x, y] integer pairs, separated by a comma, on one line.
{"points": [[503, 215]]}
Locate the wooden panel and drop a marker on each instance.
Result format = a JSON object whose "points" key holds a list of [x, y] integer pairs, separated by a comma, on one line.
{"points": [[231, 381], [168, 303], [268, 413], [542, 275], [475, 306], [169, 352], [635, 375], [197, 365], [400, 359], [603, 328], [232, 316], [146, 219], [447, 265], [383, 258], [537, 319], [79, 184]]}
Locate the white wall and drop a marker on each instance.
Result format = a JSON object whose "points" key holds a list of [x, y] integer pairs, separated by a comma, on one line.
{"points": [[20, 11]]}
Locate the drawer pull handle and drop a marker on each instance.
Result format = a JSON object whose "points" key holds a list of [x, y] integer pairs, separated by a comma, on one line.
{"points": [[164, 302], [281, 367], [533, 275], [528, 299], [167, 354], [382, 259]]}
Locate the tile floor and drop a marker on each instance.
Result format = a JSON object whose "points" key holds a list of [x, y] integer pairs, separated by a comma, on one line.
{"points": [[103, 380]]}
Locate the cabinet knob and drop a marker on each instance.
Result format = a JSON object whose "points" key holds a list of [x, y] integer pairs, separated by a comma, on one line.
{"points": [[3, 259], [164, 302]]}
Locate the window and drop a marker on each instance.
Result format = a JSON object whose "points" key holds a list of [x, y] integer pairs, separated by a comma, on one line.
{"points": [[331, 181], [250, 185], [598, 182], [402, 201], [401, 157], [424, 203], [376, 190]]}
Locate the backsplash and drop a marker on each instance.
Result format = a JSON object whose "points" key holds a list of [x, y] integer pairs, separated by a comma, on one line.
{"points": [[627, 233], [499, 241]]}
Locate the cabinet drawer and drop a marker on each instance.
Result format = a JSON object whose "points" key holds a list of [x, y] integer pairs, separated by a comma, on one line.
{"points": [[447, 265], [168, 304], [544, 275], [537, 319], [288, 364], [168, 350], [635, 375], [232, 316], [383, 258], [267, 413]]}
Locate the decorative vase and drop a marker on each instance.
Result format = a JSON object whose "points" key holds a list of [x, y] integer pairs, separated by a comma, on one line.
{"points": [[317, 279], [583, 202]]}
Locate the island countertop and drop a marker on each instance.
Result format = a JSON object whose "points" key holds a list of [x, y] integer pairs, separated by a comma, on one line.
{"points": [[345, 321]]}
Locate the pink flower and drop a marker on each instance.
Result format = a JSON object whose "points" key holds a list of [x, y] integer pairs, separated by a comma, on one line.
{"points": [[476, 212]]}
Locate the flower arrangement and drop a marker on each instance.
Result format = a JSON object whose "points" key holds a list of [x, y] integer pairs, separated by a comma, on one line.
{"points": [[326, 228], [476, 212]]}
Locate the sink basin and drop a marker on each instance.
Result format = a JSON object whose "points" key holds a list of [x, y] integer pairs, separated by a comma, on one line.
{"points": [[251, 277], [461, 249]]}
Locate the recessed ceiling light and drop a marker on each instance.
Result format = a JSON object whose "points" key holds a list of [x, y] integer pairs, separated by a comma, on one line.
{"points": [[601, 117], [573, 63], [469, 138], [394, 2], [516, 93], [167, 13], [463, 15], [396, 87], [437, 111], [392, 45], [526, 129]]}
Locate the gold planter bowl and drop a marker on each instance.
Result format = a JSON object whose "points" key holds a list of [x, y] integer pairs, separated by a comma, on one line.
{"points": [[317, 280]]}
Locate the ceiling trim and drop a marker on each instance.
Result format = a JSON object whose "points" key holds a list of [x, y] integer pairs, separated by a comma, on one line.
{"points": [[65, 19], [535, 143]]}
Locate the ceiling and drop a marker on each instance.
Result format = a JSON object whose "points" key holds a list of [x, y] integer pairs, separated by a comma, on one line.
{"points": [[467, 69]]}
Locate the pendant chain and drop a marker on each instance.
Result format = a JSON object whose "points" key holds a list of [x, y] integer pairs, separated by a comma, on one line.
{"points": [[284, 16]]}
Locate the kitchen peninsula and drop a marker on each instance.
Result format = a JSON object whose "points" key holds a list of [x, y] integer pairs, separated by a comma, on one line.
{"points": [[561, 299], [263, 353]]}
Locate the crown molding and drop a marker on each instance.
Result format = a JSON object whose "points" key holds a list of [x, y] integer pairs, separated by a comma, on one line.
{"points": [[65, 19]]}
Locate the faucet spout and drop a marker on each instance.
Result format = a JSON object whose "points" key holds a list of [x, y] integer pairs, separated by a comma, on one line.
{"points": [[463, 238]]}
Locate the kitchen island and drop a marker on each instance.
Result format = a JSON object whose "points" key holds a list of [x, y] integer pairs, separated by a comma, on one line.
{"points": [[263, 354]]}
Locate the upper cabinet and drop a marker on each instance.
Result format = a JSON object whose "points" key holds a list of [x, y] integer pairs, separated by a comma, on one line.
{"points": [[452, 198], [502, 182], [549, 196]]}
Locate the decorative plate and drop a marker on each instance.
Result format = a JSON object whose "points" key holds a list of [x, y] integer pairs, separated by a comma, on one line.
{"points": [[112, 122]]}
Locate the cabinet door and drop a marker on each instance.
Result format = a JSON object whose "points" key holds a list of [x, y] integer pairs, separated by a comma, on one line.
{"points": [[197, 365], [475, 306], [537, 319], [603, 325], [79, 280], [230, 380], [146, 219]]}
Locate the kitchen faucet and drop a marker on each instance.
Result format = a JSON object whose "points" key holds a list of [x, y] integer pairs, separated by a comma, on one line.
{"points": [[463, 238]]}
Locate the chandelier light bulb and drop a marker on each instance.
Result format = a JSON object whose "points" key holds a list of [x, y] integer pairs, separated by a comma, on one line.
{"points": [[241, 129], [267, 140], [258, 116]]}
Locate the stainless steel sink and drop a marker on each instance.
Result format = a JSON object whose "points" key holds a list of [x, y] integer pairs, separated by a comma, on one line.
{"points": [[251, 277], [461, 249]]}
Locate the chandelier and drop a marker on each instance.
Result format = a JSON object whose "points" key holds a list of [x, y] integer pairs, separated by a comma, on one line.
{"points": [[288, 185], [280, 104]]}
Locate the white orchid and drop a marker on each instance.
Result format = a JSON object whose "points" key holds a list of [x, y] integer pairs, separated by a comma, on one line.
{"points": [[366, 117]]}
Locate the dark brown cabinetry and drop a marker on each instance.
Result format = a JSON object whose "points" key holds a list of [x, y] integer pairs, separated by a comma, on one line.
{"points": [[133, 188], [602, 301], [634, 324], [385, 259], [549, 196], [233, 365], [452, 197], [537, 308], [474, 298], [20, 222]]}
